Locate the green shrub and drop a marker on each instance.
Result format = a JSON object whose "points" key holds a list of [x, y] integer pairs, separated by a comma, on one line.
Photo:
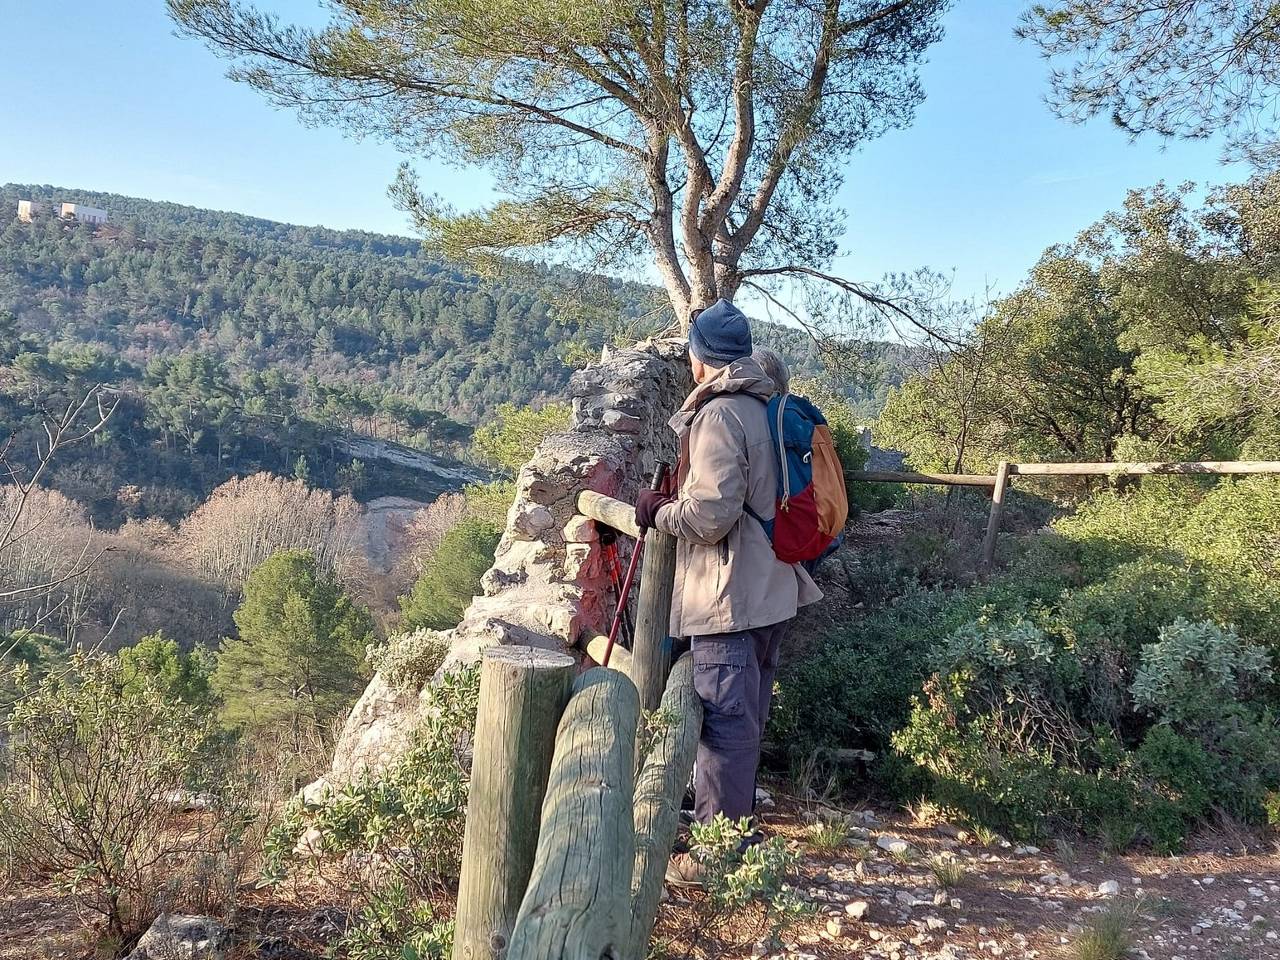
{"points": [[38, 654], [1225, 534], [159, 662], [853, 686], [452, 577], [1106, 624], [509, 439], [1196, 674], [736, 878], [395, 926], [489, 502], [409, 660], [1180, 779], [94, 760], [1094, 683], [405, 824], [1271, 804], [298, 661]]}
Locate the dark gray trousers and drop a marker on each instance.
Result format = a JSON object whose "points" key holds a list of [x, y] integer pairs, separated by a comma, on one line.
{"points": [[733, 674]]}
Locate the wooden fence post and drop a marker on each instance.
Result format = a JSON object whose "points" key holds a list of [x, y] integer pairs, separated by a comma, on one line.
{"points": [[993, 521], [578, 905], [523, 691], [650, 652], [659, 789]]}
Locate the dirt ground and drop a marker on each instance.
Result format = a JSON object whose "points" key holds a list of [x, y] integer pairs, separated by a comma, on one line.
{"points": [[1219, 901]]}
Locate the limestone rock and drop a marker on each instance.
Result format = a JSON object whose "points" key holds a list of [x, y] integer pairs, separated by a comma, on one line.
{"points": [[858, 909], [376, 732], [176, 936], [892, 844]]}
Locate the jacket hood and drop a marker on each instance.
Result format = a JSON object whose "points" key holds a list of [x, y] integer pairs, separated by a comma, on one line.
{"points": [[739, 376]]}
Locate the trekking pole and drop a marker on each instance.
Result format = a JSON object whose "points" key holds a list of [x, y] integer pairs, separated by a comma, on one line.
{"points": [[609, 545], [660, 468]]}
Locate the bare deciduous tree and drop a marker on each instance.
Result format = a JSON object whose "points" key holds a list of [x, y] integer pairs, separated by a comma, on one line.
{"points": [[46, 544], [247, 519], [422, 536]]}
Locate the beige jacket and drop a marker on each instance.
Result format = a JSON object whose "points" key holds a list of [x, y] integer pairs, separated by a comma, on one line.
{"points": [[727, 577]]}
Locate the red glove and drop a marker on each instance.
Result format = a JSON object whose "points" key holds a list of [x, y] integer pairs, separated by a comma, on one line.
{"points": [[647, 506]]}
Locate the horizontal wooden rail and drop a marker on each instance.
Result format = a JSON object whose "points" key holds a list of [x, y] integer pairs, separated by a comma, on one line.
{"points": [[907, 476], [1218, 467], [1176, 468], [614, 513], [1007, 471], [595, 645]]}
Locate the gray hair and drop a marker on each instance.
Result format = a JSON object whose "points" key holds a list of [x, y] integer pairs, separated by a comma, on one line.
{"points": [[774, 367]]}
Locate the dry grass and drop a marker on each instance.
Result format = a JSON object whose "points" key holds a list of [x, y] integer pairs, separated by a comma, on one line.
{"points": [[925, 813], [1065, 851], [985, 836], [828, 834], [903, 858], [1110, 935], [948, 874]]}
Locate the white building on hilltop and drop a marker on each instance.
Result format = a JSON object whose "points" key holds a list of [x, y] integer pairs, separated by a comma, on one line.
{"points": [[28, 210], [78, 211]]}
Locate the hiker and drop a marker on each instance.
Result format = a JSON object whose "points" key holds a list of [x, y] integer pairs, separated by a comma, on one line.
{"points": [[733, 598]]}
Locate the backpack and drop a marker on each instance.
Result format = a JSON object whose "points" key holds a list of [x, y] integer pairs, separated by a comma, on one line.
{"points": [[812, 505]]}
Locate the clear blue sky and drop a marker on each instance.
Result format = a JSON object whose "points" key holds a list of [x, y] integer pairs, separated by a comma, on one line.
{"points": [[103, 96]]}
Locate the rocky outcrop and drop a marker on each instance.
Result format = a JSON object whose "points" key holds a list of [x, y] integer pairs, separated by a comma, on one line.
{"points": [[374, 450], [548, 584]]}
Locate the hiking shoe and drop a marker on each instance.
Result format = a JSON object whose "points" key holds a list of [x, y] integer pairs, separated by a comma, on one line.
{"points": [[752, 839], [684, 871]]}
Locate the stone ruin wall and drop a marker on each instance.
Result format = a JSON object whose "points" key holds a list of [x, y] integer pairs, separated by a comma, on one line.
{"points": [[548, 585]]}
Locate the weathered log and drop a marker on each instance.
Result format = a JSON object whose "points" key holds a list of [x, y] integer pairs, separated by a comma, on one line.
{"points": [[619, 659], [659, 789], [523, 691], [613, 513], [578, 903], [651, 649]]}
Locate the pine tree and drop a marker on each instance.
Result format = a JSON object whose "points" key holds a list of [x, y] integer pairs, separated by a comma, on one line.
{"points": [[298, 658], [452, 577]]}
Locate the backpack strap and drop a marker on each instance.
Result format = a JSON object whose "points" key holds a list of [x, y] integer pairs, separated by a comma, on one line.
{"points": [[781, 461], [782, 452]]}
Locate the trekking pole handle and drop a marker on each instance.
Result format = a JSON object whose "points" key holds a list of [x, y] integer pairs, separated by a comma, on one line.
{"points": [[660, 469]]}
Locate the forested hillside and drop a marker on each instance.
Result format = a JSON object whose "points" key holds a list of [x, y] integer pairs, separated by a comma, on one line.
{"points": [[240, 344]]}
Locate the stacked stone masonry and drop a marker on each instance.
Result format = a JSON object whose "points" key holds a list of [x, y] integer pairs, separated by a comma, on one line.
{"points": [[548, 584]]}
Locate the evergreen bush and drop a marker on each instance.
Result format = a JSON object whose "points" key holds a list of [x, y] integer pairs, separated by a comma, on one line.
{"points": [[1117, 679], [97, 761], [452, 577]]}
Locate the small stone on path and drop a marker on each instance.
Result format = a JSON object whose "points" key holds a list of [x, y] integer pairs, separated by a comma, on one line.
{"points": [[857, 909]]}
